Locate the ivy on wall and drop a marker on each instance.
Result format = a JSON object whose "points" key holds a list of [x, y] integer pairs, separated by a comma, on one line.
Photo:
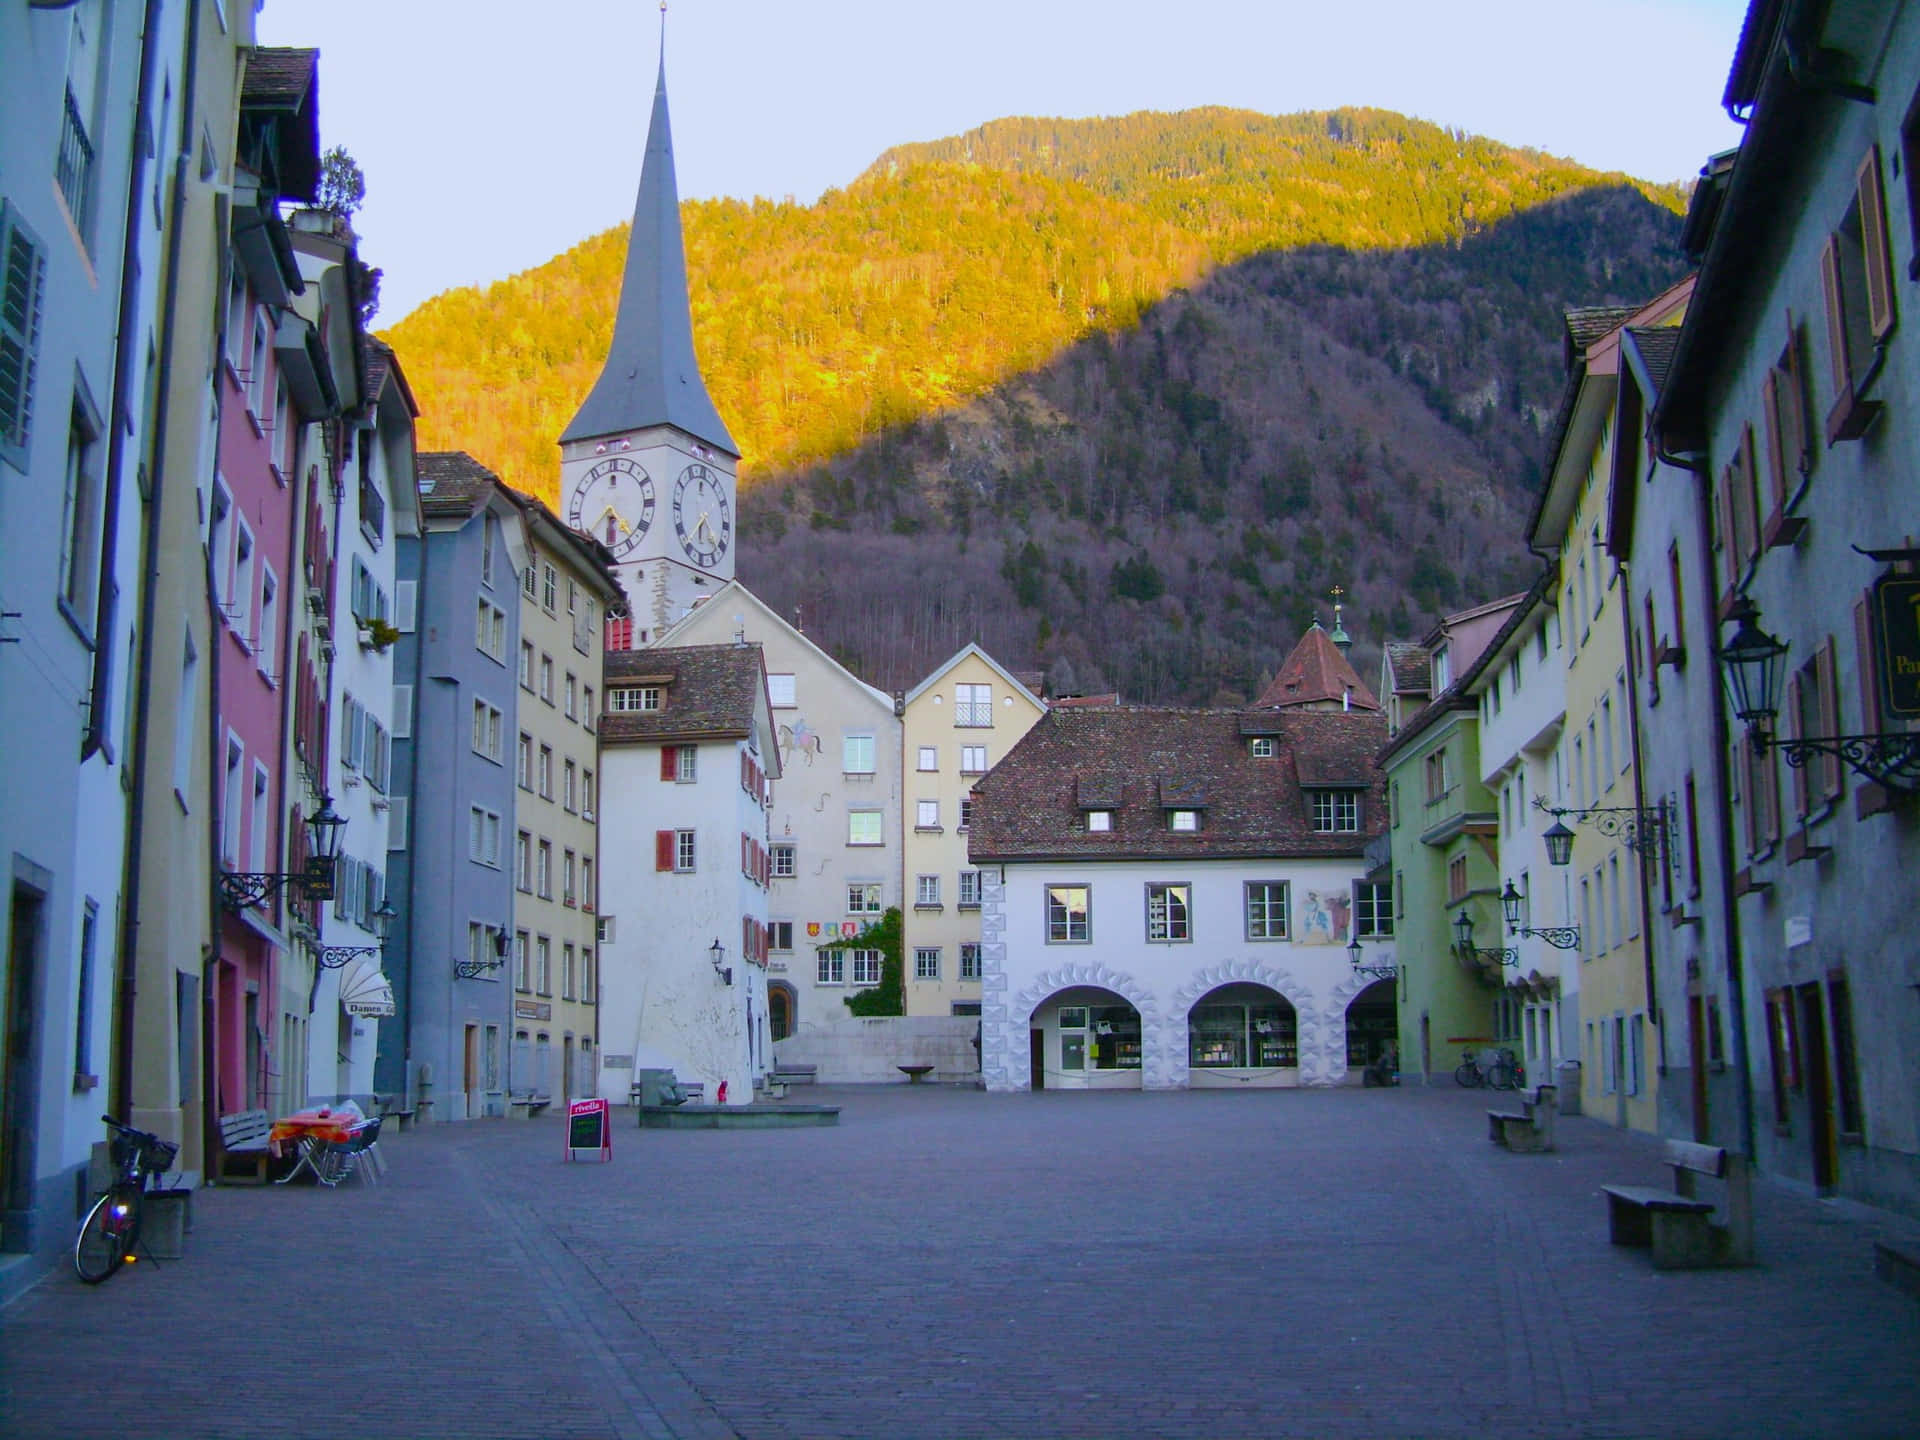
{"points": [[887, 936]]}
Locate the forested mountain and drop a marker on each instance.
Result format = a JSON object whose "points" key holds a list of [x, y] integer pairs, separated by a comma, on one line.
{"points": [[1120, 398]]}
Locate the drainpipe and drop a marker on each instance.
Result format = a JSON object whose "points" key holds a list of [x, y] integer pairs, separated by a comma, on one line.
{"points": [[1723, 812], [105, 601], [127, 991], [1654, 1009]]}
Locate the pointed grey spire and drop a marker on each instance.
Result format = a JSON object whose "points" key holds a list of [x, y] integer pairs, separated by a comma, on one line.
{"points": [[651, 376]]}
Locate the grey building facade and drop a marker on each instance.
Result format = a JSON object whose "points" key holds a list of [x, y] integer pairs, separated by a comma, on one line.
{"points": [[449, 862], [1794, 396]]}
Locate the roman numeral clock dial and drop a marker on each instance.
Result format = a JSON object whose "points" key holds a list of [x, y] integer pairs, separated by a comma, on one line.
{"points": [[614, 504], [701, 517]]}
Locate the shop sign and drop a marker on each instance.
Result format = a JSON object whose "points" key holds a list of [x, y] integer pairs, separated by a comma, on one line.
{"points": [[590, 1129], [1896, 618], [533, 1010]]}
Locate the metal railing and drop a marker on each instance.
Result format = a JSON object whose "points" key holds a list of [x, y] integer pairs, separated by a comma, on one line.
{"points": [[74, 166], [973, 713]]}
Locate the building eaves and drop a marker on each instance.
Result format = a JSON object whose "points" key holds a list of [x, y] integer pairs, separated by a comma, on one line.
{"points": [[1412, 667], [972, 648]]}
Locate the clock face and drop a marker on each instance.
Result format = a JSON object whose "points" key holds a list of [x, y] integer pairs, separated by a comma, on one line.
{"points": [[700, 514], [614, 504]]}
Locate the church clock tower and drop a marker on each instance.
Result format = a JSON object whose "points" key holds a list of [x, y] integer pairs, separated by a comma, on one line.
{"points": [[648, 467]]}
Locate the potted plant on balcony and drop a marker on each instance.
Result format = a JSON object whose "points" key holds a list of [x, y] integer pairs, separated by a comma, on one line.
{"points": [[377, 634]]}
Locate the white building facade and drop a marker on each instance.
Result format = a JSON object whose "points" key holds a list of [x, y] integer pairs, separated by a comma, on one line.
{"points": [[1167, 905], [689, 765]]}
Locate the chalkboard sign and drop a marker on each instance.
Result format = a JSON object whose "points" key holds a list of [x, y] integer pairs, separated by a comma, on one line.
{"points": [[589, 1129]]}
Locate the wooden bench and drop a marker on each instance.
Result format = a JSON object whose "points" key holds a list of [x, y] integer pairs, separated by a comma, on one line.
{"points": [[1530, 1128], [243, 1140], [387, 1107], [1678, 1226]]}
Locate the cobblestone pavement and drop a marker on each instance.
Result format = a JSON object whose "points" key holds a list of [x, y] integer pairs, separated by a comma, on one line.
{"points": [[948, 1263]]}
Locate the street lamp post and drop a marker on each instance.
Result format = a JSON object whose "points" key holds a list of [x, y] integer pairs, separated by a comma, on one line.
{"points": [[243, 889], [332, 957], [1504, 955], [471, 969], [1561, 937], [1356, 954]]}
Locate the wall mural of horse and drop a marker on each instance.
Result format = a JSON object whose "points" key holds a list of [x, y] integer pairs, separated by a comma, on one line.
{"points": [[798, 737]]}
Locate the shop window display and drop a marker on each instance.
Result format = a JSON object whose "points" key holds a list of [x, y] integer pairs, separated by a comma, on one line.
{"points": [[1257, 1035]]}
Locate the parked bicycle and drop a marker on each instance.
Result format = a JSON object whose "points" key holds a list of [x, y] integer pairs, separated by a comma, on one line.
{"points": [[112, 1227], [1498, 1069]]}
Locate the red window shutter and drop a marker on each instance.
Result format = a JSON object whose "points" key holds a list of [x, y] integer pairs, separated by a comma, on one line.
{"points": [[663, 849], [1867, 661], [1778, 488], [1873, 238], [1800, 786], [668, 770], [1833, 775], [1839, 363], [1792, 395]]}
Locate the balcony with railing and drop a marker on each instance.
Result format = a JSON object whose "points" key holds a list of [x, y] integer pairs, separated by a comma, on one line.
{"points": [[73, 168]]}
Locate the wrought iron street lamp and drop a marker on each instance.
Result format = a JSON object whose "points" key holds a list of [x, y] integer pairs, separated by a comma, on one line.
{"points": [[241, 890], [332, 957], [1561, 937], [1356, 957], [1755, 666], [1505, 955], [1638, 827], [718, 954], [471, 969]]}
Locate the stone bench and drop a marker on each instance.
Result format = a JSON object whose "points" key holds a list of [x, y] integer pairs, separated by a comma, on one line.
{"points": [[1676, 1225], [795, 1074], [1530, 1128]]}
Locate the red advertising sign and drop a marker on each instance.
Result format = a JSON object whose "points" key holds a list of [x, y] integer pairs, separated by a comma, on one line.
{"points": [[590, 1129]]}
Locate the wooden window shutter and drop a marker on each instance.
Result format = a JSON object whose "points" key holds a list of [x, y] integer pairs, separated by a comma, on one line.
{"points": [[1770, 401], [668, 769], [663, 849], [1839, 365], [1873, 239], [1792, 396], [1794, 714], [1750, 493], [1832, 774], [1866, 659]]}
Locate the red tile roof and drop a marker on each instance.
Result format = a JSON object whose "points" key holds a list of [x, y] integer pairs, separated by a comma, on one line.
{"points": [[1140, 762], [709, 692], [1314, 674]]}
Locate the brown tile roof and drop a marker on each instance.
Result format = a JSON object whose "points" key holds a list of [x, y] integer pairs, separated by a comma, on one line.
{"points": [[451, 481], [1412, 667], [1589, 323], [279, 77], [1314, 674], [588, 553], [711, 692], [1656, 345], [1030, 806]]}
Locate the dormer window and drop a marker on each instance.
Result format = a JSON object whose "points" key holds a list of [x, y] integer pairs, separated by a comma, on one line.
{"points": [[1183, 821], [1261, 746], [1336, 811], [630, 699], [1099, 822]]}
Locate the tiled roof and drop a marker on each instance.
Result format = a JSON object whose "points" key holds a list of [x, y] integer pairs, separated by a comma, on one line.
{"points": [[278, 77], [450, 481], [588, 552], [1030, 806], [1589, 323], [1656, 345], [1111, 697], [1412, 667], [710, 693], [1316, 673]]}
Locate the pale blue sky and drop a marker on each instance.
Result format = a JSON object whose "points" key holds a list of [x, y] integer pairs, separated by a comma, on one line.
{"points": [[497, 133]]}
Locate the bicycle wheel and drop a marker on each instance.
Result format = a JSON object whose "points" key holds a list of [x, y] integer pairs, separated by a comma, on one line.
{"points": [[1468, 1076], [107, 1235], [1501, 1077]]}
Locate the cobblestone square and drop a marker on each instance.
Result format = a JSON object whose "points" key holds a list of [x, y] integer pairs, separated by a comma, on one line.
{"points": [[947, 1263]]}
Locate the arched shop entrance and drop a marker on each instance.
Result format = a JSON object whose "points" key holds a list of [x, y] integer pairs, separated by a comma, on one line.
{"points": [[1242, 1034], [1373, 1025], [1084, 1038], [780, 1009]]}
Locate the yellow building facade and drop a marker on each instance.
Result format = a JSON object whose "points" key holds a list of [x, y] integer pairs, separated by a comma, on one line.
{"points": [[1592, 766], [956, 725], [565, 592]]}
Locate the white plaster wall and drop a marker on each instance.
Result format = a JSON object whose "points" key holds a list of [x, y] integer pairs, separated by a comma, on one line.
{"points": [[868, 1050], [1163, 981], [661, 1003]]}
